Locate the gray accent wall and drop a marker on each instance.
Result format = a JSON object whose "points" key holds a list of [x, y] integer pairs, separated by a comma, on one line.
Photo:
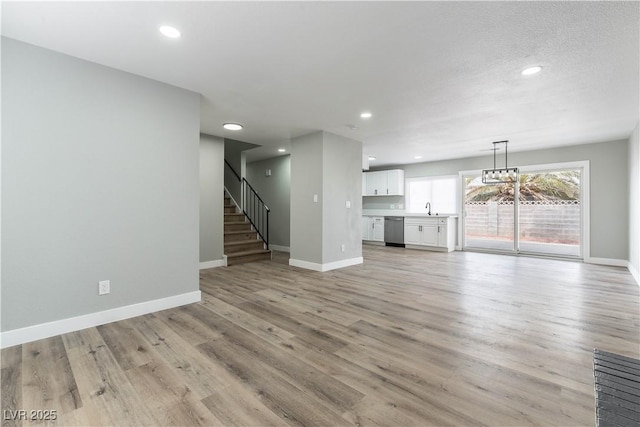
{"points": [[342, 182], [609, 195], [275, 190], [306, 215], [211, 200], [634, 200], [329, 166], [99, 182]]}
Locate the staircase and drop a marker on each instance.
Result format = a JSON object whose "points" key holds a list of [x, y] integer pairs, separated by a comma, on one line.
{"points": [[241, 242]]}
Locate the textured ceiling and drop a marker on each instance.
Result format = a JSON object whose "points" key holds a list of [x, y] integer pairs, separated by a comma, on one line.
{"points": [[442, 79]]}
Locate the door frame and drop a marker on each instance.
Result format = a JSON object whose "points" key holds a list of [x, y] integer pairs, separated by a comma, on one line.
{"points": [[585, 246]]}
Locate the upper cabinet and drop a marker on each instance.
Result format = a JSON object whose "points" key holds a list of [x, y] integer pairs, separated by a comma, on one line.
{"points": [[383, 183]]}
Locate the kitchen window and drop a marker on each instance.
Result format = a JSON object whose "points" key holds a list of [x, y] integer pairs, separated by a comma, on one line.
{"points": [[440, 191]]}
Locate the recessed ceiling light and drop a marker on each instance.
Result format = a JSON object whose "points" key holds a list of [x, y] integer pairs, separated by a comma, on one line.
{"points": [[365, 115], [170, 32], [232, 126], [417, 157], [531, 70], [281, 150], [371, 158]]}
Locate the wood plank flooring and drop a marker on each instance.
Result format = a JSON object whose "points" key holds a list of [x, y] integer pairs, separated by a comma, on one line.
{"points": [[409, 338]]}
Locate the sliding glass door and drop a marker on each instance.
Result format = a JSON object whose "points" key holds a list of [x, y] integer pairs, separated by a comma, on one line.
{"points": [[550, 212], [541, 213], [489, 215]]}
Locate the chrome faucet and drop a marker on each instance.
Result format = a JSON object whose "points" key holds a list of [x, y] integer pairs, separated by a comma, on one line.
{"points": [[428, 206]]}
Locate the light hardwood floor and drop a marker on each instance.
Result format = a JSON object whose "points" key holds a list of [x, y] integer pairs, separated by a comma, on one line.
{"points": [[409, 338]]}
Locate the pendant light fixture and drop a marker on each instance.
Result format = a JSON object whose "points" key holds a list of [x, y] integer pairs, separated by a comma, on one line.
{"points": [[499, 175]]}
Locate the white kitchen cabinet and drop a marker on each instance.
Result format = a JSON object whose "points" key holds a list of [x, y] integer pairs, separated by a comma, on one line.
{"points": [[384, 183], [431, 234], [378, 228], [412, 233], [373, 228], [377, 183], [395, 182], [366, 228], [436, 233]]}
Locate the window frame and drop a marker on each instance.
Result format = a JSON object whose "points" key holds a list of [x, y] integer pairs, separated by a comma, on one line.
{"points": [[455, 188]]}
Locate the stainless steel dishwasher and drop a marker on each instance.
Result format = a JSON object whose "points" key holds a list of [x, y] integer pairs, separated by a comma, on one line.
{"points": [[394, 231]]}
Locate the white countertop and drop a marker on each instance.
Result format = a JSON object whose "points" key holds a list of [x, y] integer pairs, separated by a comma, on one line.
{"points": [[401, 212]]}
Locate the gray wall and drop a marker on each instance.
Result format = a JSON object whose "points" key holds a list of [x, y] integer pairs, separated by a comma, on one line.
{"points": [[234, 154], [330, 166], [99, 182], [634, 199], [211, 200], [306, 180], [342, 182], [275, 190], [609, 212]]}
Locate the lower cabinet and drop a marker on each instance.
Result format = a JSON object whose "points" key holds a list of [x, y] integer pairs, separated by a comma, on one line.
{"points": [[373, 228], [431, 233]]}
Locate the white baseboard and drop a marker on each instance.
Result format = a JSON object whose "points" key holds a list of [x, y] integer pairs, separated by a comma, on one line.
{"points": [[325, 267], [213, 264], [280, 248], [607, 261], [58, 327], [373, 242], [634, 273]]}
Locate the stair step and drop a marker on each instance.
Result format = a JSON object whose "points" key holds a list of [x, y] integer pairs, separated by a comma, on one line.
{"points": [[234, 217], [243, 246], [237, 236], [248, 256], [230, 209], [237, 226]]}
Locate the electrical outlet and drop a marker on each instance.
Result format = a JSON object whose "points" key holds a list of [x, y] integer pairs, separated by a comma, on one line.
{"points": [[343, 247], [104, 287], [393, 206], [348, 204]]}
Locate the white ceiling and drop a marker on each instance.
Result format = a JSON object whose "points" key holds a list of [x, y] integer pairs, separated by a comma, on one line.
{"points": [[442, 79]]}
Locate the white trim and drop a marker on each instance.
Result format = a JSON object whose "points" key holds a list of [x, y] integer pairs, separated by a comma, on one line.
{"points": [[232, 199], [213, 264], [634, 273], [407, 201], [608, 261], [58, 327], [428, 248], [325, 267], [280, 248]]}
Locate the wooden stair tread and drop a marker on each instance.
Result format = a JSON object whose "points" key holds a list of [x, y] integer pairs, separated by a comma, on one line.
{"points": [[240, 232], [251, 252], [243, 242]]}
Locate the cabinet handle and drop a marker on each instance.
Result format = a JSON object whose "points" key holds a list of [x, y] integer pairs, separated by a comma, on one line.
{"points": [[375, 191], [438, 229], [419, 228], [387, 191], [373, 225]]}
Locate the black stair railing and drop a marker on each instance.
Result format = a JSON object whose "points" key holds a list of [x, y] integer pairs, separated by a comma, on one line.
{"points": [[256, 210], [253, 207]]}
